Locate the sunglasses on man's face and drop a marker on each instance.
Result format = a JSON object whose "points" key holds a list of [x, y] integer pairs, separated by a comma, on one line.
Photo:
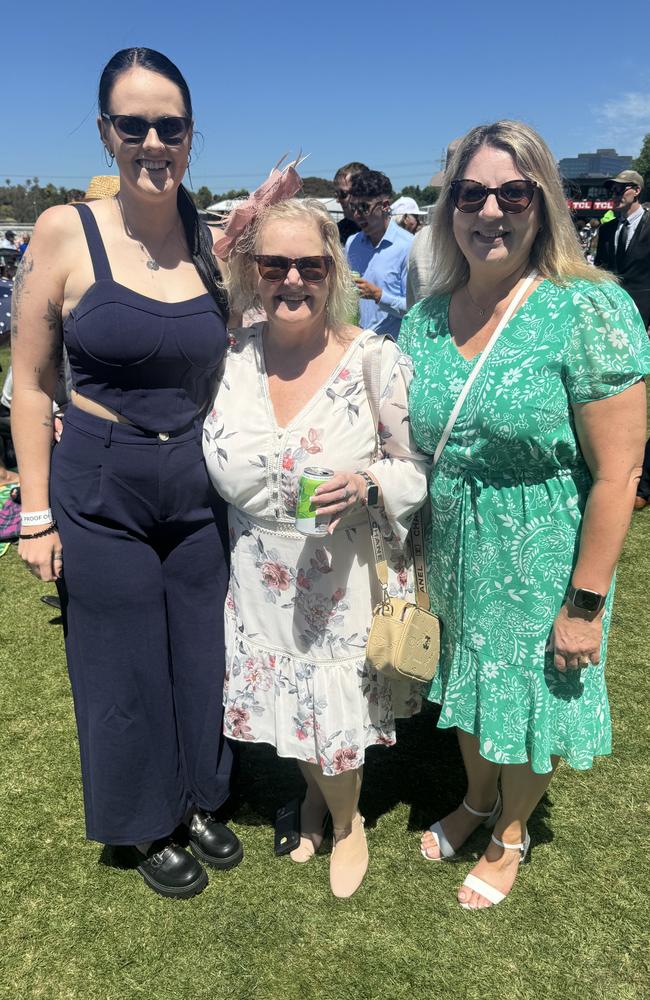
{"points": [[513, 196], [172, 129], [363, 207], [276, 268], [616, 190], [341, 195]]}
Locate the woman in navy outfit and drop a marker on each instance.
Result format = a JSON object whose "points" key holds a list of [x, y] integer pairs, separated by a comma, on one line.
{"points": [[129, 285]]}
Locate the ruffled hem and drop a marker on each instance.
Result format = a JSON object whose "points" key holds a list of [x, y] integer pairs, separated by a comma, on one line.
{"points": [[324, 713], [579, 761], [529, 715]]}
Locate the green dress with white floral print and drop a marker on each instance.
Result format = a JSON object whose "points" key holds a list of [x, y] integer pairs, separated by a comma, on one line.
{"points": [[507, 500]]}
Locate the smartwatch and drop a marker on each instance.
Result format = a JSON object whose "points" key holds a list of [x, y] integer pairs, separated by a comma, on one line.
{"points": [[586, 600], [372, 491]]}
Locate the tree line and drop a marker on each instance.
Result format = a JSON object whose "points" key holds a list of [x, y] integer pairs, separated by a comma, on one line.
{"points": [[316, 187], [25, 202]]}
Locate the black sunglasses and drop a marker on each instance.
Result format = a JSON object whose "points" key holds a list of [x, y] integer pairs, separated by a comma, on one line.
{"points": [[171, 129], [274, 268], [363, 207], [618, 189], [513, 196], [341, 195]]}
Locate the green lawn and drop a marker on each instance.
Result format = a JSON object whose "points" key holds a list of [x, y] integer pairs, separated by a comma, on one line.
{"points": [[76, 927]]}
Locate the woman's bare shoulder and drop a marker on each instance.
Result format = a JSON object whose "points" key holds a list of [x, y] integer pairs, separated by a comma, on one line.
{"points": [[60, 221]]}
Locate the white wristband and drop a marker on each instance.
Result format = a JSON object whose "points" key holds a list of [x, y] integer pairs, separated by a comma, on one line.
{"points": [[37, 517]]}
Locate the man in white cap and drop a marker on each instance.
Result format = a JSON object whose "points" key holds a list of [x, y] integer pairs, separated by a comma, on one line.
{"points": [[624, 248], [407, 214]]}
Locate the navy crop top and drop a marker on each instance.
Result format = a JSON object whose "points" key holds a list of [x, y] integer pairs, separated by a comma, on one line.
{"points": [[153, 362]]}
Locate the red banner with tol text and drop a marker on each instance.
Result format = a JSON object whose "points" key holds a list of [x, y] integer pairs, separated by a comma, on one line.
{"points": [[599, 205]]}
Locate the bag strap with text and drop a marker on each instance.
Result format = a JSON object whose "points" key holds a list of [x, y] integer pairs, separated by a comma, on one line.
{"points": [[371, 366]]}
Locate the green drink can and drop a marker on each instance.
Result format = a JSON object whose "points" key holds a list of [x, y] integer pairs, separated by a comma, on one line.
{"points": [[306, 520]]}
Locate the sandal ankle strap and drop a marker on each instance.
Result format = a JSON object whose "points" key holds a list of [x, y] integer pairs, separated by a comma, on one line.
{"points": [[475, 812], [510, 847]]}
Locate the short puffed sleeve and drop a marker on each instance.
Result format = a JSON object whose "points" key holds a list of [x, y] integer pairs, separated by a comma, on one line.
{"points": [[607, 348]]}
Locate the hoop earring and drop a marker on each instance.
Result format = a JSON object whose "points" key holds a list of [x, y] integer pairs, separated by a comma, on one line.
{"points": [[109, 156], [189, 175]]}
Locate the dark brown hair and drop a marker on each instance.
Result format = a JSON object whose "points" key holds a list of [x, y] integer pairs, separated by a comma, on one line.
{"points": [[197, 234]]}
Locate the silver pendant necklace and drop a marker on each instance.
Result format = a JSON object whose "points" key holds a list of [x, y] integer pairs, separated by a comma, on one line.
{"points": [[151, 261], [152, 264], [487, 311], [482, 312]]}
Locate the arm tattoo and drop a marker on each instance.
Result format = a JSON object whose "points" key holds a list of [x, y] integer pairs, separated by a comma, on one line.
{"points": [[53, 316], [24, 268], [53, 320]]}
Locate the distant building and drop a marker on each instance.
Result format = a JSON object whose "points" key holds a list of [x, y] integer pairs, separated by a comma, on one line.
{"points": [[602, 163]]}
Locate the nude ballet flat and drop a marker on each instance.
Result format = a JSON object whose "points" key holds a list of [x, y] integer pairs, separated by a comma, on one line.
{"points": [[349, 861]]}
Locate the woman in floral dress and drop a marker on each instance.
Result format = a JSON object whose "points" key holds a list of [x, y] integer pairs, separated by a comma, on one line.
{"points": [[532, 496], [299, 607]]}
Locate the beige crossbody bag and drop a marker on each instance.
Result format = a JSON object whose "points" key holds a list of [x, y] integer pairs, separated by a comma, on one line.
{"points": [[404, 639]]}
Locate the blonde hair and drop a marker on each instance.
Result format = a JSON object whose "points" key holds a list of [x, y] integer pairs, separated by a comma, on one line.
{"points": [[556, 252], [240, 275]]}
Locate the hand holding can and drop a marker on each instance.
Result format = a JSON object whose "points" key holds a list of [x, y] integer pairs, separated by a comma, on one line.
{"points": [[307, 520]]}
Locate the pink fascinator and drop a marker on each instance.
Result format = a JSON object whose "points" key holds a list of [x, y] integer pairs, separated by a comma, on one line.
{"points": [[279, 185]]}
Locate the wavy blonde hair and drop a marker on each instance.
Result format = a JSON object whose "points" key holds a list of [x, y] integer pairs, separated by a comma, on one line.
{"points": [[240, 274], [556, 252]]}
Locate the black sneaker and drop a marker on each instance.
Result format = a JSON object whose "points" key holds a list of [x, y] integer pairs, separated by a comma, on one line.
{"points": [[171, 871], [213, 843]]}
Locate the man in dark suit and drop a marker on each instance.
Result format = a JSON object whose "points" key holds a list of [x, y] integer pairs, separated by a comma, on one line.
{"points": [[624, 248], [624, 243]]}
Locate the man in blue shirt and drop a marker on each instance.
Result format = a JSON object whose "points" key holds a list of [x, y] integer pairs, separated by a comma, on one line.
{"points": [[378, 254]]}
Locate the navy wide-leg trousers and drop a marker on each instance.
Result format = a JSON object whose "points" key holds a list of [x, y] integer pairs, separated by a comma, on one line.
{"points": [[143, 591]]}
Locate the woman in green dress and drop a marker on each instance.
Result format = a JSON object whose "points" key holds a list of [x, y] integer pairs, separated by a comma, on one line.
{"points": [[532, 496]]}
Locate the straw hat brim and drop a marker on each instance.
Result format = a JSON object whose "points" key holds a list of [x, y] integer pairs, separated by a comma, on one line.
{"points": [[102, 186]]}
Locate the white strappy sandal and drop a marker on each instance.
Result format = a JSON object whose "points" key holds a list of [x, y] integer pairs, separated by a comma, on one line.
{"points": [[447, 852], [486, 890]]}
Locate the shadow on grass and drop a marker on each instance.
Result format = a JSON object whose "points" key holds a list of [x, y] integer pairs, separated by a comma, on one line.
{"points": [[424, 771], [117, 857]]}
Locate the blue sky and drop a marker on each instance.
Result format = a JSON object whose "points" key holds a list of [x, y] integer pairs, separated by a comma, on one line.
{"points": [[386, 83]]}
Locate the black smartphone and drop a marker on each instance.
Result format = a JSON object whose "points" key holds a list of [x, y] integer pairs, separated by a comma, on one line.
{"points": [[287, 828]]}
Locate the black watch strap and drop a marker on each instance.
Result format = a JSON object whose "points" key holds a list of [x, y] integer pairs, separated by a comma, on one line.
{"points": [[586, 600]]}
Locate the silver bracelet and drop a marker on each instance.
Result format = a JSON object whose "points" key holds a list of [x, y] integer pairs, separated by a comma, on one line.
{"points": [[37, 517]]}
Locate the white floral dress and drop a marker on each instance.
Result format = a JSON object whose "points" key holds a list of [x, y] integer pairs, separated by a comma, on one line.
{"points": [[298, 609]]}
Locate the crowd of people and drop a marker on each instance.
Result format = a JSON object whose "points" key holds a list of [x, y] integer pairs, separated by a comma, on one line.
{"points": [[12, 248], [476, 368]]}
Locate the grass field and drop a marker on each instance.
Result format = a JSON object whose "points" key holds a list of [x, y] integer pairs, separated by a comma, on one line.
{"points": [[74, 927]]}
